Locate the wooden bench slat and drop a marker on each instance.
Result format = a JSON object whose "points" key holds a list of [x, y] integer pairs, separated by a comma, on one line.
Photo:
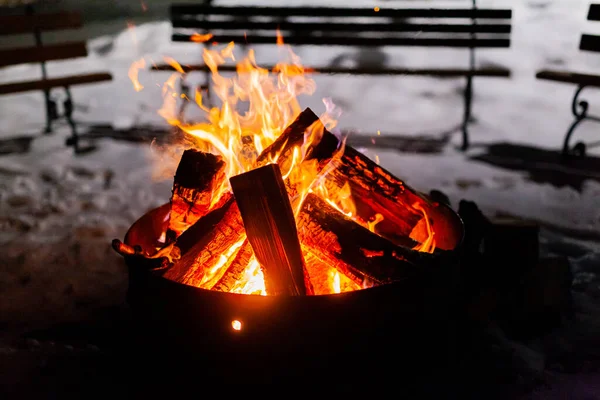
{"points": [[569, 77], [32, 54], [594, 13], [190, 9], [26, 86], [590, 43], [339, 27], [450, 72], [354, 41], [15, 24]]}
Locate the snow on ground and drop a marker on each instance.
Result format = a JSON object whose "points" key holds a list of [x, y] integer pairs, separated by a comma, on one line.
{"points": [[58, 212]]}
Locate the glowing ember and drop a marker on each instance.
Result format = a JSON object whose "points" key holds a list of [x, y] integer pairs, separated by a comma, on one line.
{"points": [[236, 325], [270, 103]]}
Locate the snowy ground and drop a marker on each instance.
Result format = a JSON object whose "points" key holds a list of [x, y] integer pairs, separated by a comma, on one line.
{"points": [[58, 212]]}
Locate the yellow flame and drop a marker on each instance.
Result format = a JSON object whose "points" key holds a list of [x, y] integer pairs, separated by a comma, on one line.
{"points": [[253, 281], [335, 284], [133, 73], [428, 245], [212, 275], [176, 66], [255, 105], [371, 224]]}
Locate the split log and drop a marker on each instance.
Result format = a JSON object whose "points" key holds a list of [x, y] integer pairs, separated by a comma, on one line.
{"points": [[271, 229], [363, 256], [203, 243], [197, 177]]}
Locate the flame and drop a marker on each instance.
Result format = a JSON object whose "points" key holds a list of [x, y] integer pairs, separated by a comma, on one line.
{"points": [[423, 229], [255, 105], [253, 281], [335, 285], [134, 72], [201, 38], [279, 38], [377, 219], [213, 274]]}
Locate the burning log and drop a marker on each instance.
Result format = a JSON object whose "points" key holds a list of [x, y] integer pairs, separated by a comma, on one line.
{"points": [[269, 222], [374, 190], [358, 253], [202, 244], [194, 186], [291, 137]]}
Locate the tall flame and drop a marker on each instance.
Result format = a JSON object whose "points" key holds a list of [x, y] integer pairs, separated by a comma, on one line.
{"points": [[255, 106]]}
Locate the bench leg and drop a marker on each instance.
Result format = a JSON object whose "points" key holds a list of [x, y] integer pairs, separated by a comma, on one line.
{"points": [[74, 139], [51, 111], [579, 108], [467, 112]]}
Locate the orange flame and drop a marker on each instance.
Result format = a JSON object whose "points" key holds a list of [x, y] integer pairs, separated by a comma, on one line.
{"points": [[269, 100], [423, 230], [279, 38], [201, 38]]}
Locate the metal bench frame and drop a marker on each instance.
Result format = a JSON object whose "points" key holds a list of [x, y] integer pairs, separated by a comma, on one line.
{"points": [[41, 22], [579, 107]]}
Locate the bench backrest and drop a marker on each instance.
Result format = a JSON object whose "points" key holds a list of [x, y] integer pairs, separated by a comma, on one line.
{"points": [[36, 24], [591, 42], [470, 27]]}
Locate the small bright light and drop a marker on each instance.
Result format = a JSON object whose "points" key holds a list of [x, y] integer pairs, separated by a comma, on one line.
{"points": [[236, 325], [376, 9]]}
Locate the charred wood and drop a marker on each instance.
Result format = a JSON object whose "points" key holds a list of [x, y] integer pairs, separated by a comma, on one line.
{"points": [[363, 256], [194, 186], [202, 244]]}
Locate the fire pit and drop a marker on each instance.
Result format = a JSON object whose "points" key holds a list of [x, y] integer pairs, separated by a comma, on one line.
{"points": [[292, 256]]}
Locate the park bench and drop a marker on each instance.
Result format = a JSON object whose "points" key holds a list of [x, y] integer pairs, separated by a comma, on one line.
{"points": [[28, 22], [579, 108], [471, 28]]}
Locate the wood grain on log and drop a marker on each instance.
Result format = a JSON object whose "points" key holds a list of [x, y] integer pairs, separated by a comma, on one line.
{"points": [[363, 256], [194, 184], [202, 244], [376, 191], [271, 229]]}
